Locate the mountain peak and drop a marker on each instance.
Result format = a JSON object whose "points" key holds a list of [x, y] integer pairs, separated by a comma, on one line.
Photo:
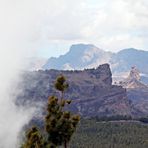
{"points": [[82, 45], [79, 56], [134, 74], [133, 80], [83, 56], [130, 50], [83, 48]]}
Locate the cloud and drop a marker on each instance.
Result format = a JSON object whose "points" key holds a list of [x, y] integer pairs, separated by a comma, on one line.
{"points": [[17, 26], [93, 21], [60, 23]]}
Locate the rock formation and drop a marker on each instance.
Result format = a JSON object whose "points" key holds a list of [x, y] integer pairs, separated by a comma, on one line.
{"points": [[133, 80], [91, 90], [137, 93]]}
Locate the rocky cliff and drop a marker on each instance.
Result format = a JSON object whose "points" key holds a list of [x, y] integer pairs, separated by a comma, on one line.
{"points": [[91, 90], [137, 92], [133, 80]]}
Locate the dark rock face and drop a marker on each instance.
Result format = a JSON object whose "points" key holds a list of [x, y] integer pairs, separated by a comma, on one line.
{"points": [[139, 101], [112, 101], [91, 90]]}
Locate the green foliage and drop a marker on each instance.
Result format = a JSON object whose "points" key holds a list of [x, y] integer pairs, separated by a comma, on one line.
{"points": [[34, 139], [61, 84], [113, 118], [59, 123], [124, 134]]}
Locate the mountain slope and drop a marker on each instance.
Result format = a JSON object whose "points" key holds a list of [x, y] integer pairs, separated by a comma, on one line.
{"points": [[125, 59], [80, 56], [91, 90], [137, 92]]}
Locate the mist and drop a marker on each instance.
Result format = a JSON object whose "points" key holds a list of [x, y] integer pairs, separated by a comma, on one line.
{"points": [[21, 23], [16, 28]]}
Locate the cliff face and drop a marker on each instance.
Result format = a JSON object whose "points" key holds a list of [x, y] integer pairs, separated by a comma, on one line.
{"points": [[137, 93], [91, 90], [133, 80]]}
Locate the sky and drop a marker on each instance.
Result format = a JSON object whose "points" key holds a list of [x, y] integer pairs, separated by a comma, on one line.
{"points": [[50, 27], [109, 24]]}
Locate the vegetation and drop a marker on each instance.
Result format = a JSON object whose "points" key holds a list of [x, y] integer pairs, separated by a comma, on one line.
{"points": [[143, 119], [98, 132], [59, 123], [34, 139], [115, 134], [113, 118]]}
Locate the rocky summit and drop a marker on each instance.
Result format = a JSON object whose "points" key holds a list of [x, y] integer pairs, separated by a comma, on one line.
{"points": [[137, 92], [91, 90], [133, 80]]}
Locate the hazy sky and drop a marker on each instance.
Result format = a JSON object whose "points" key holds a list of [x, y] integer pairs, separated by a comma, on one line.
{"points": [[109, 24], [51, 26]]}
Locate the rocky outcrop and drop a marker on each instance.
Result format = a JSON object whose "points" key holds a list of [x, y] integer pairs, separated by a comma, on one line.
{"points": [[137, 92], [91, 90], [133, 80]]}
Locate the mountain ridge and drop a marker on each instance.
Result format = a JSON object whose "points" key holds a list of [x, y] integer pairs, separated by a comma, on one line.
{"points": [[81, 56], [101, 98]]}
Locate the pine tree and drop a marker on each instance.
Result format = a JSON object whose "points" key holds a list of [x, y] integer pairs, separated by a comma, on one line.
{"points": [[59, 123], [33, 139]]}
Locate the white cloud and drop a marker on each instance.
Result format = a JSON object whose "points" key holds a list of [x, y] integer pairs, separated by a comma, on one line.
{"points": [[79, 21], [89, 21], [16, 28]]}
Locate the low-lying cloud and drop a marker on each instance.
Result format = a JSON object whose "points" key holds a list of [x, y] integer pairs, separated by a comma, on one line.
{"points": [[16, 29]]}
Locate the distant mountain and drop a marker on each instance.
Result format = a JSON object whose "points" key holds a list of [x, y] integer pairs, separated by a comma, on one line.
{"points": [[125, 59], [144, 79], [80, 56]]}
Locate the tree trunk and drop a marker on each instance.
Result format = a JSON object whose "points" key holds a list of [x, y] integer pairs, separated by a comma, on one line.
{"points": [[65, 144], [62, 96]]}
